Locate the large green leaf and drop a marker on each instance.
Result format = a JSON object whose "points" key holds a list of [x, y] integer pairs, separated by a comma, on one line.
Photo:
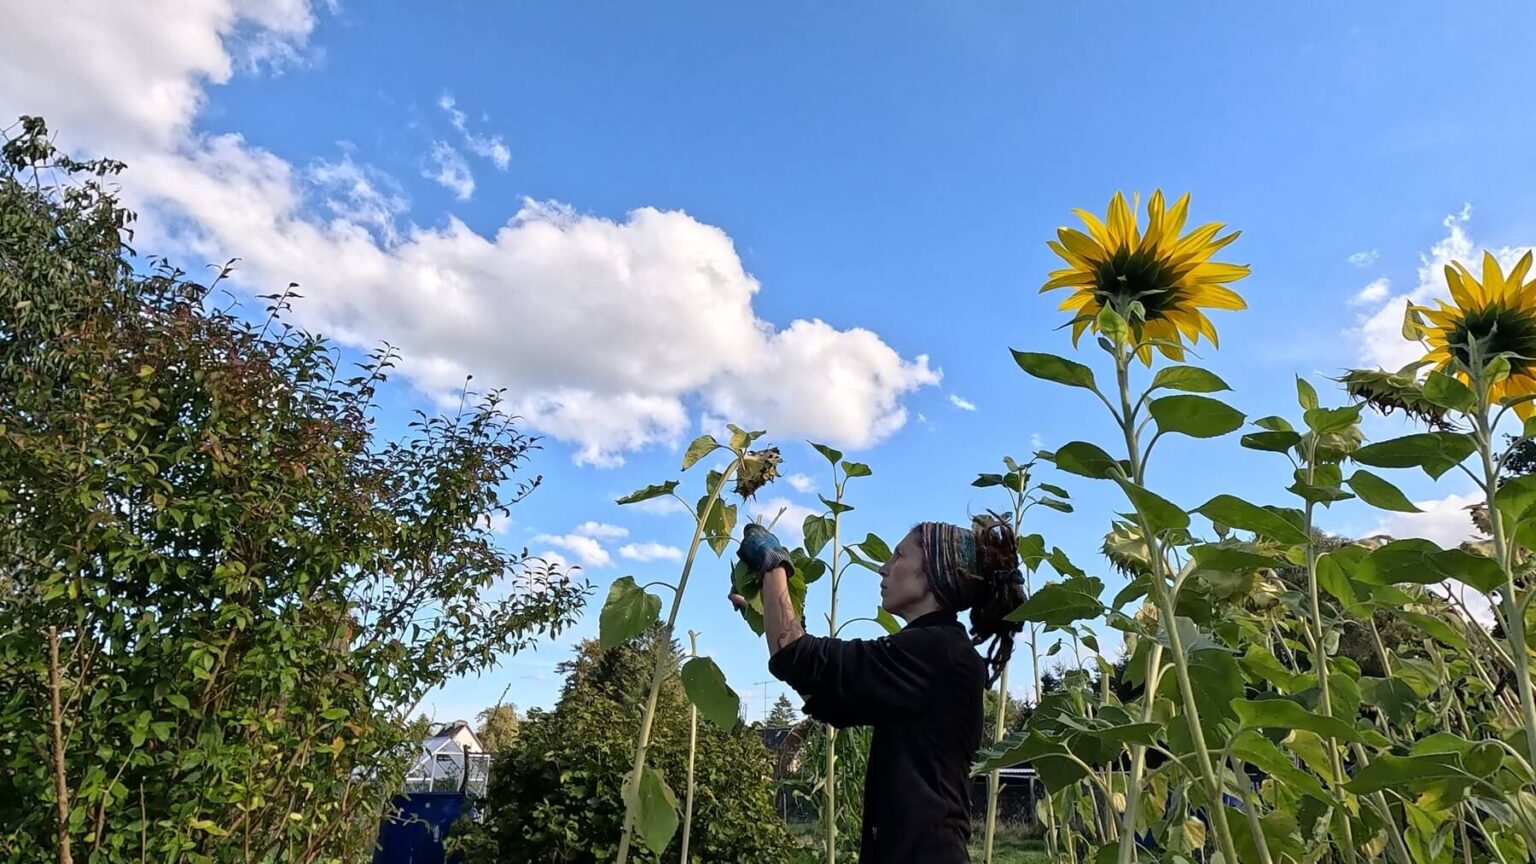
{"points": [[1435, 452], [1379, 493], [1273, 442], [702, 446], [1447, 392], [1261, 753], [1062, 603], [833, 456], [1405, 773], [1031, 550], [1237, 513], [1087, 460], [1195, 416], [655, 810], [1232, 558], [1190, 379], [1060, 370], [1435, 627], [817, 531], [857, 469], [1394, 698], [1160, 513], [1421, 562], [1324, 420], [1046, 756], [627, 613], [719, 525], [1262, 665], [875, 549], [706, 688], [886, 620], [649, 492], [1285, 714]]}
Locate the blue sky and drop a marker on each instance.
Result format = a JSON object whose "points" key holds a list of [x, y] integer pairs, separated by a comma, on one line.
{"points": [[472, 184]]}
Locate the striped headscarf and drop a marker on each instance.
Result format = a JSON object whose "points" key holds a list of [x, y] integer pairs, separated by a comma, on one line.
{"points": [[948, 549]]}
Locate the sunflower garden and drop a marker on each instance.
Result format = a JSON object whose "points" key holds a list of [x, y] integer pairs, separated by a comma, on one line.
{"points": [[1284, 696], [1242, 732]]}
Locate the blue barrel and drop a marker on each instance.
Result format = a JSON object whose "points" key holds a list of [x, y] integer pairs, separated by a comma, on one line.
{"points": [[415, 834]]}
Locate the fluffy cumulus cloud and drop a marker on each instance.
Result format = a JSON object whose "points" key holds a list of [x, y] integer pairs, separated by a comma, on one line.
{"points": [[1364, 258], [801, 483], [791, 517], [650, 551], [585, 542], [1378, 327], [610, 332]]}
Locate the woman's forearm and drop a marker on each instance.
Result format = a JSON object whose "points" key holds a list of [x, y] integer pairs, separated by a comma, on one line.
{"points": [[780, 622]]}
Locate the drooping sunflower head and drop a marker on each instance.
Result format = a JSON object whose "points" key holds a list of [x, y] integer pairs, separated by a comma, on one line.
{"points": [[1156, 279], [1490, 317]]}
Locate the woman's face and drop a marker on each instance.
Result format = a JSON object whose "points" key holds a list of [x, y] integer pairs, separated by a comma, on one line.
{"points": [[903, 585]]}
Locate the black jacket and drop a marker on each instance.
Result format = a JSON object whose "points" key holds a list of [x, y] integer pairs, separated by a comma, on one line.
{"points": [[921, 690]]}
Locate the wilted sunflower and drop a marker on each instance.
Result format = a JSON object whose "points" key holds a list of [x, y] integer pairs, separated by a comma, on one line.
{"points": [[1496, 314], [1115, 264]]}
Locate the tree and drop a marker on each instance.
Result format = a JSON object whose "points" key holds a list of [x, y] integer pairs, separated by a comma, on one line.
{"points": [[221, 595], [498, 727], [557, 795], [1018, 712], [782, 715]]}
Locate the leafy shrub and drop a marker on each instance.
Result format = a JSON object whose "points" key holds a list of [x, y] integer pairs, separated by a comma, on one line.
{"points": [[220, 596], [558, 795]]}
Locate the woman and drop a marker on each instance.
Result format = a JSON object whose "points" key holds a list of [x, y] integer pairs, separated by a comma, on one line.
{"points": [[921, 688]]}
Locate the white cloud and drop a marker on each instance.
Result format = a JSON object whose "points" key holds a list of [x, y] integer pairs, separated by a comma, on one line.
{"points": [[601, 530], [588, 550], [1444, 520], [962, 404], [801, 483], [611, 331], [1378, 330], [790, 526], [650, 551], [358, 194], [1374, 292], [490, 147], [1364, 258], [1036, 442], [446, 166]]}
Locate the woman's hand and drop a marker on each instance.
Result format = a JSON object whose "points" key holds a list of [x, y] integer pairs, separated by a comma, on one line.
{"points": [[761, 550]]}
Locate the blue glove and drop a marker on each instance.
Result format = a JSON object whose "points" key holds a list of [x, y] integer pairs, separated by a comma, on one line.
{"points": [[761, 551]]}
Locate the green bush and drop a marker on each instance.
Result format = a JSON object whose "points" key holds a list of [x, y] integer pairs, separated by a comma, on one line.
{"points": [[557, 795]]}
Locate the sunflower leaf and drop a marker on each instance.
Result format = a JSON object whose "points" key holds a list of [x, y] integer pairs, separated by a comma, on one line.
{"points": [[1190, 379], [1060, 370], [1195, 416], [1447, 392]]}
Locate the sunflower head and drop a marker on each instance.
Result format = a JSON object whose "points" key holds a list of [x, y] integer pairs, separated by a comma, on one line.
{"points": [[1489, 317], [1158, 280]]}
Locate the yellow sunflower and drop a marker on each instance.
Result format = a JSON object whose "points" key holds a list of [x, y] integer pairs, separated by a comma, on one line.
{"points": [[1497, 314], [1172, 278]]}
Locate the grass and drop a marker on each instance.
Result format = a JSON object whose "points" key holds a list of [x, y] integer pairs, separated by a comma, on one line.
{"points": [[1009, 849]]}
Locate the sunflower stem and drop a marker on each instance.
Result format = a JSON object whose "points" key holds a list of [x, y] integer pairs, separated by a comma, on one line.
{"points": [[1167, 613]]}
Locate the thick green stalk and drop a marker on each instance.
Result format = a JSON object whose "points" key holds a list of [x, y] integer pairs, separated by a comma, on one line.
{"points": [[992, 779], [1320, 653], [693, 749], [1514, 612], [664, 660], [830, 787], [1167, 610]]}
